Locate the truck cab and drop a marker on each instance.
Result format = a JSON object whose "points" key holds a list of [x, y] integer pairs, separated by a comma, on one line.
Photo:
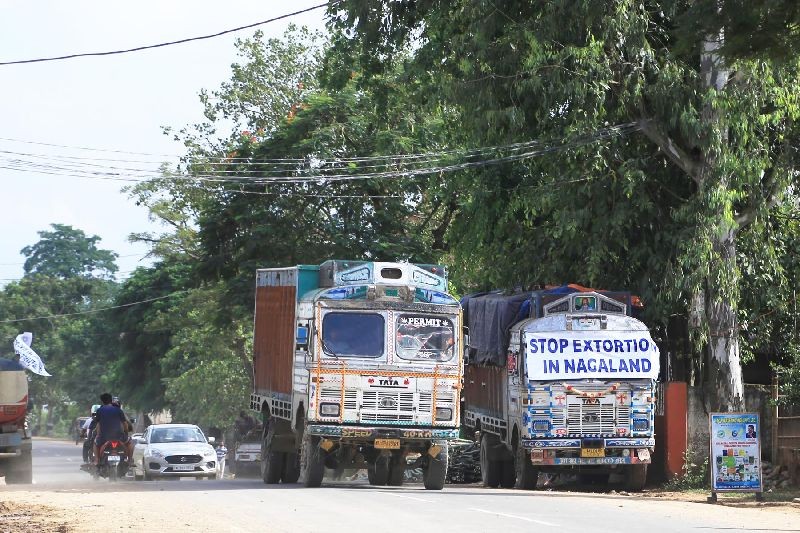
{"points": [[374, 374], [575, 391]]}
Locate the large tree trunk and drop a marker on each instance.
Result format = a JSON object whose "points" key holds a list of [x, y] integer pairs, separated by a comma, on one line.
{"points": [[725, 389]]}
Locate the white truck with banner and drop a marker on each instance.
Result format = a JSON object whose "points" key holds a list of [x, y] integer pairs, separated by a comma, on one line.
{"points": [[560, 380], [356, 365]]}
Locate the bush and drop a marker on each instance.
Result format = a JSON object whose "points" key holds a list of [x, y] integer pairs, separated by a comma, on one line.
{"points": [[694, 476]]}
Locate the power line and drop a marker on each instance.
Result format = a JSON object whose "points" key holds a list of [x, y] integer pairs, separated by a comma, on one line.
{"points": [[329, 171], [93, 310], [169, 43]]}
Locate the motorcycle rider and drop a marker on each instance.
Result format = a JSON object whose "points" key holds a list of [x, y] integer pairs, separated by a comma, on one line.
{"points": [[110, 424], [128, 427], [88, 432]]}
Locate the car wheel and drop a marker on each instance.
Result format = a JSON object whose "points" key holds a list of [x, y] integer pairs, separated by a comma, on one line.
{"points": [[145, 475]]}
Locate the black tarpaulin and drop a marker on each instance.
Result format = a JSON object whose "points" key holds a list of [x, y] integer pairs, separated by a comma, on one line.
{"points": [[489, 316]]}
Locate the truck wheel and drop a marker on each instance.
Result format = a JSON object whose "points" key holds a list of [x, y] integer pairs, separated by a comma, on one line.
{"points": [[527, 474], [312, 462], [636, 477], [20, 469], [397, 470], [508, 474], [271, 461], [490, 469], [291, 468], [435, 472], [378, 472]]}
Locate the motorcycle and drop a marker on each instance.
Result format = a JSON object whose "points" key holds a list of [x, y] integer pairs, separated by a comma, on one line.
{"points": [[113, 462]]}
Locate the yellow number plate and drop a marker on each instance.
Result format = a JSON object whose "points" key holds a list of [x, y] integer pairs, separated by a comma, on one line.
{"points": [[593, 452], [387, 444]]}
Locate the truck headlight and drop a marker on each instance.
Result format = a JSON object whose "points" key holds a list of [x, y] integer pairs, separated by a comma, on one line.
{"points": [[329, 409], [641, 424], [541, 425], [444, 413]]}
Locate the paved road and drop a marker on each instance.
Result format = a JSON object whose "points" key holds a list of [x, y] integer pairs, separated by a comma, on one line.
{"points": [[249, 505]]}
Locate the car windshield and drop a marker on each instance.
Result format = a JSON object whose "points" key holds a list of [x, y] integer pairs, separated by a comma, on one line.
{"points": [[162, 435], [424, 337], [353, 334]]}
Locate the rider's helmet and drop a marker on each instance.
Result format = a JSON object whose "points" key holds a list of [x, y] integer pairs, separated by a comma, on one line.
{"points": [[115, 401], [95, 407]]}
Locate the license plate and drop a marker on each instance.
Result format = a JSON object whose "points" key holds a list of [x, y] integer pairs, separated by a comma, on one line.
{"points": [[183, 468], [585, 323], [244, 458], [387, 444], [593, 452]]}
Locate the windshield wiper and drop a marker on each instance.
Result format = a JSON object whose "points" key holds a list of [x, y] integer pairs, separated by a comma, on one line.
{"points": [[327, 350]]}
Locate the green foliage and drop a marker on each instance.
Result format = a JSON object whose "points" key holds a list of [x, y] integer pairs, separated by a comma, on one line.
{"points": [[66, 252], [210, 394], [694, 476]]}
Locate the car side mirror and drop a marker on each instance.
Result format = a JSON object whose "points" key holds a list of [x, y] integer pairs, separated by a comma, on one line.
{"points": [[211, 440]]}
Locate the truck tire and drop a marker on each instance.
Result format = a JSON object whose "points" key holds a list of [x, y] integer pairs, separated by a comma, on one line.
{"points": [[20, 469], [527, 475], [291, 468], [636, 477], [397, 470], [271, 461], [490, 469], [508, 474], [312, 462], [435, 472], [378, 472]]}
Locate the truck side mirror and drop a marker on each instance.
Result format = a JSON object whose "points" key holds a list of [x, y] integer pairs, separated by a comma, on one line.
{"points": [[301, 337]]}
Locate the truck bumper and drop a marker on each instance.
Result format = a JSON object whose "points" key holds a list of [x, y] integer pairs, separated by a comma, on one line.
{"points": [[372, 433], [578, 452]]}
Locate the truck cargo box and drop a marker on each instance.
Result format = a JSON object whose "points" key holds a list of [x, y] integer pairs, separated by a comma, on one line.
{"points": [[485, 389], [277, 292]]}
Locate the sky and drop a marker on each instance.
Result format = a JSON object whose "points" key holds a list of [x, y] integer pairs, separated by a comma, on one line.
{"points": [[117, 102]]}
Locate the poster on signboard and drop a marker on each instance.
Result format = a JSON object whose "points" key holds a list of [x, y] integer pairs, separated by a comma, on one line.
{"points": [[735, 452]]}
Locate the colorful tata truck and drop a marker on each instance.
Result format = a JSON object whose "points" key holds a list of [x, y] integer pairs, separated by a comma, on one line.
{"points": [[15, 439], [356, 365], [560, 380]]}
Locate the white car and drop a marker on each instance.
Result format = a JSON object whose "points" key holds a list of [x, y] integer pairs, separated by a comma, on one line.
{"points": [[174, 450]]}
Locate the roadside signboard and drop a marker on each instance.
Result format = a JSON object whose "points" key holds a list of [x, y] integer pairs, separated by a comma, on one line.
{"points": [[735, 453]]}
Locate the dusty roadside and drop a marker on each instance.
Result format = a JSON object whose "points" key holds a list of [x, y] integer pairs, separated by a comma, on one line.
{"points": [[22, 518]]}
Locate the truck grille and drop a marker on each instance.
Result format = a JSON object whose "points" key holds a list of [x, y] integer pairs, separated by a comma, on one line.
{"points": [[588, 419], [387, 406]]}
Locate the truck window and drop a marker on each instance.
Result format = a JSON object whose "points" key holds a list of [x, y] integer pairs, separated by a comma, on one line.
{"points": [[353, 334], [424, 337]]}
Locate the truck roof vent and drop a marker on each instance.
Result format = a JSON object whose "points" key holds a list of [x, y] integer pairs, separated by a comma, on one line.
{"points": [[391, 273]]}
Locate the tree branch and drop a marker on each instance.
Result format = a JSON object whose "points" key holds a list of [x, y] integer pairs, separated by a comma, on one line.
{"points": [[674, 152]]}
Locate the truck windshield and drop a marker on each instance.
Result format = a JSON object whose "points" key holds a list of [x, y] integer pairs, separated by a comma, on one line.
{"points": [[424, 337], [353, 334]]}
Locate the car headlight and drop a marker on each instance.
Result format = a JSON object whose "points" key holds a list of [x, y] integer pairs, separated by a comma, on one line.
{"points": [[444, 413], [209, 453], [329, 409], [154, 453]]}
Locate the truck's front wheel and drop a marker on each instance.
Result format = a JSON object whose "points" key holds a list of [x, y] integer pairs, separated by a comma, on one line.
{"points": [[20, 469], [312, 462], [527, 474], [636, 477], [490, 468], [435, 471]]}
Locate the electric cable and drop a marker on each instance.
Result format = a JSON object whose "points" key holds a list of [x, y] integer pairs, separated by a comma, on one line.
{"points": [[169, 43]]}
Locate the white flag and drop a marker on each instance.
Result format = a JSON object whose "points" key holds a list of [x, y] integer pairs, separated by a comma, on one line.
{"points": [[27, 357]]}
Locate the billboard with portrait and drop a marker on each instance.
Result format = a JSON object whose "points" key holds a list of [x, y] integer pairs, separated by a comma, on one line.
{"points": [[735, 452]]}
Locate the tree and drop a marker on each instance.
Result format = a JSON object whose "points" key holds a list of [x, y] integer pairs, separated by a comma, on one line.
{"points": [[714, 157], [66, 252]]}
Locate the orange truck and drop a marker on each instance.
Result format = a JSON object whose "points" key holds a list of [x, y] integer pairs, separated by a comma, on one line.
{"points": [[15, 440], [356, 365]]}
